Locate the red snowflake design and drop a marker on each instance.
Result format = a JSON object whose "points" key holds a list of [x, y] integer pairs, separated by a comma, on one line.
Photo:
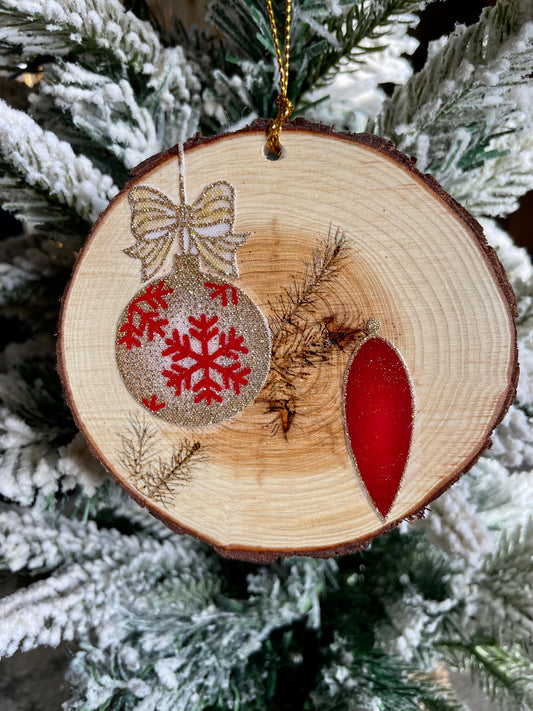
{"points": [[144, 316], [222, 291], [153, 404], [209, 369]]}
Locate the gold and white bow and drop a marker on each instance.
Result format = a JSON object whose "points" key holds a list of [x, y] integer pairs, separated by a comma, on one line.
{"points": [[204, 228]]}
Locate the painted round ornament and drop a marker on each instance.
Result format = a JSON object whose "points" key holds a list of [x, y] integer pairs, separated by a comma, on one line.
{"points": [[220, 352], [191, 347]]}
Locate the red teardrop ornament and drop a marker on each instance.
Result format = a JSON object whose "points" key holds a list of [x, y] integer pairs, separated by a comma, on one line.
{"points": [[378, 416]]}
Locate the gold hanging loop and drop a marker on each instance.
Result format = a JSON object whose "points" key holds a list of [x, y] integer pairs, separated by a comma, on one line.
{"points": [[285, 106]]}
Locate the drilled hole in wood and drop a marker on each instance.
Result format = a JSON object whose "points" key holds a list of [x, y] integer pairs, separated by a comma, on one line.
{"points": [[270, 155]]}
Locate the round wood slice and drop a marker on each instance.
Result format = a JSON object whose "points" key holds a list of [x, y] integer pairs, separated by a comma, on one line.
{"points": [[277, 478]]}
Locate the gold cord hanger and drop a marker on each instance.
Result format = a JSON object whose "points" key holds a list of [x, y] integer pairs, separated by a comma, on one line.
{"points": [[285, 107]]}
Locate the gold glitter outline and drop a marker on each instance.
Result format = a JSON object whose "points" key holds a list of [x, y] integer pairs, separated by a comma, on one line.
{"points": [[372, 327], [189, 267], [216, 200]]}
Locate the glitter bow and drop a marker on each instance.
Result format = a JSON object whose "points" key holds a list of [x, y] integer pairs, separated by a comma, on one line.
{"points": [[204, 228]]}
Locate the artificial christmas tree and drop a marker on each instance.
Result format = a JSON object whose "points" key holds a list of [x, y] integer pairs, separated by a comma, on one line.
{"points": [[158, 621]]}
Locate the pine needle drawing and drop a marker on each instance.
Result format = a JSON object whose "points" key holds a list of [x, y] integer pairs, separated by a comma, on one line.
{"points": [[152, 476], [302, 338]]}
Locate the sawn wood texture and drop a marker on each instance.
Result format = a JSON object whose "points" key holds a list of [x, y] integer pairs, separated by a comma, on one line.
{"points": [[417, 261]]}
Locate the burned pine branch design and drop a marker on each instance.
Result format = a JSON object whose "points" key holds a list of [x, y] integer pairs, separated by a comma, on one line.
{"points": [[301, 338], [153, 476]]}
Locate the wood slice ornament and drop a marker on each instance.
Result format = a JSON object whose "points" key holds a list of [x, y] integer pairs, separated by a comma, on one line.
{"points": [[221, 352]]}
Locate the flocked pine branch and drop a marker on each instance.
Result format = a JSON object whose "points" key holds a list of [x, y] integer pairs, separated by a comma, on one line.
{"points": [[30, 423], [354, 94], [56, 542], [33, 271], [128, 119], [351, 29], [453, 524], [178, 91], [108, 502], [470, 106], [33, 268], [45, 161], [376, 680], [106, 71], [450, 630], [81, 594], [501, 498], [32, 466], [39, 450], [503, 672], [324, 38], [460, 67], [34, 205], [505, 589], [487, 630], [104, 110], [513, 439], [96, 30], [387, 658], [26, 462], [151, 658], [506, 172]]}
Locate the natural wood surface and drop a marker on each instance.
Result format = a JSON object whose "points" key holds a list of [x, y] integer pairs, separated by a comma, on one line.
{"points": [[277, 478]]}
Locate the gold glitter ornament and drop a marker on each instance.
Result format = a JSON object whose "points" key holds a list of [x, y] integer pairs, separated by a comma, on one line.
{"points": [[207, 353], [191, 347]]}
